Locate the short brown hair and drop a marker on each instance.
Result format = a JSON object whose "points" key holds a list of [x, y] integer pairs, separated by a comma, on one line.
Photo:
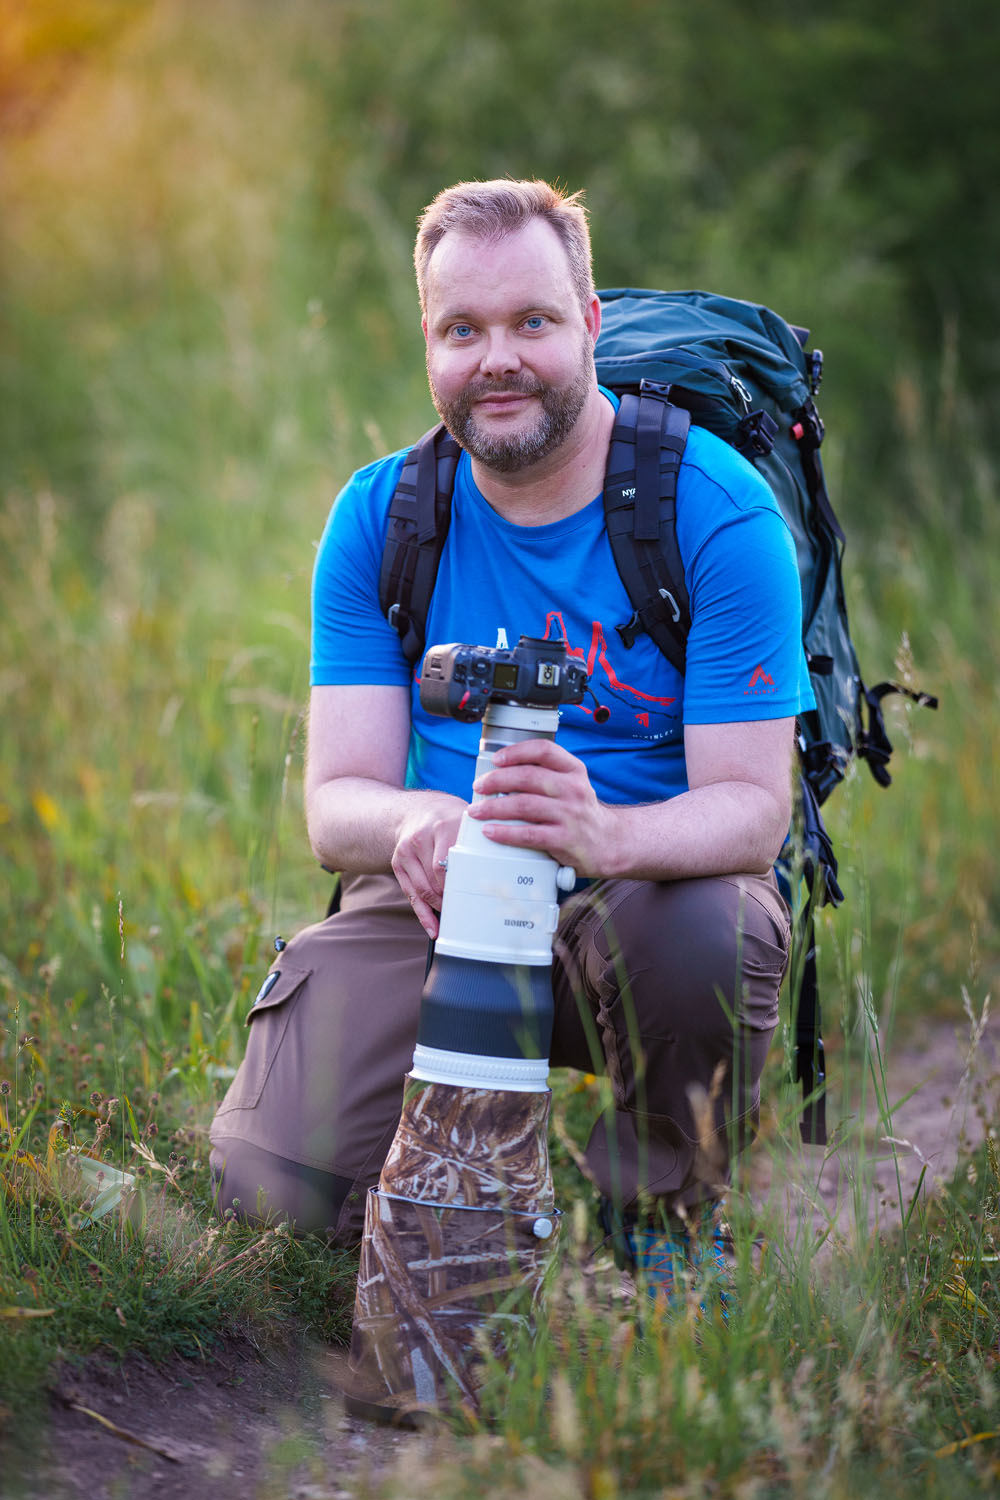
{"points": [[490, 210]]}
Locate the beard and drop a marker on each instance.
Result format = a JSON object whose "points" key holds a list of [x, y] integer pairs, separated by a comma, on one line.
{"points": [[507, 453]]}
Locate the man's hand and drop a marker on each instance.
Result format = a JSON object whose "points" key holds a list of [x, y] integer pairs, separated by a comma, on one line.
{"points": [[731, 820], [360, 814], [548, 792], [426, 834]]}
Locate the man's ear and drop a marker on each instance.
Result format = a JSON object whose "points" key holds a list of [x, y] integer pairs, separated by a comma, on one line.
{"points": [[423, 326], [592, 317]]}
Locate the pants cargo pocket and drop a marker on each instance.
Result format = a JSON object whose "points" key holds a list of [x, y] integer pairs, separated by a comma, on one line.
{"points": [[268, 1021]]}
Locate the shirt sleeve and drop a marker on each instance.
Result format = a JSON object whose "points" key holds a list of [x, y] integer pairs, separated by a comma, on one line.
{"points": [[352, 642], [744, 656]]}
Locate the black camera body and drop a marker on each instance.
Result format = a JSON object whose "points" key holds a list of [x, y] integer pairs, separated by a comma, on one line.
{"points": [[460, 682]]}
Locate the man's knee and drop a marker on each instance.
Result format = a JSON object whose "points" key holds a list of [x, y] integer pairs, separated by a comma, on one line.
{"points": [[663, 982], [260, 1187], [331, 1034], [687, 944]]}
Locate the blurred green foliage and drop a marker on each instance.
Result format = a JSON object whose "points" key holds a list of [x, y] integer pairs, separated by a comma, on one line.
{"points": [[833, 162], [830, 160], [208, 319]]}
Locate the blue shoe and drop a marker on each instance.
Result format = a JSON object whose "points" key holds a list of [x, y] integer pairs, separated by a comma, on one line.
{"points": [[658, 1261], [666, 1261]]}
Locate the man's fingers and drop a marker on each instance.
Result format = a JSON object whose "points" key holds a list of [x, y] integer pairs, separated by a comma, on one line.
{"points": [[528, 807], [524, 836], [439, 864], [420, 898], [526, 778], [425, 915], [536, 752]]}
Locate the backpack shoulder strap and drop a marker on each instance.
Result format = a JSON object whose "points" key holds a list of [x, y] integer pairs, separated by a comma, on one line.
{"points": [[640, 489], [419, 516], [640, 492]]}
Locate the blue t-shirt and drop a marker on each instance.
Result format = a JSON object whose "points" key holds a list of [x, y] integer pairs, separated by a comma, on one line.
{"points": [[498, 581]]}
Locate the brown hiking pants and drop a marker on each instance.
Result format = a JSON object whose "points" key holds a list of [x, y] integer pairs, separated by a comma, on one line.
{"points": [[670, 988]]}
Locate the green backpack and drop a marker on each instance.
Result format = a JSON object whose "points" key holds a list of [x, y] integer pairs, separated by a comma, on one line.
{"points": [[739, 370]]}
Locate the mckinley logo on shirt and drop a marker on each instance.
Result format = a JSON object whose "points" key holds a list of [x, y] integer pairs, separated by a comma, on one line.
{"points": [[760, 682]]}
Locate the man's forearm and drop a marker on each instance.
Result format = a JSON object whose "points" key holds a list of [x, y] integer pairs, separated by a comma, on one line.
{"points": [[354, 823], [722, 827], [725, 828], [364, 826], [733, 819]]}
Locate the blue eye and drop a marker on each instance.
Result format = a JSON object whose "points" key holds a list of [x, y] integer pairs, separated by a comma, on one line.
{"points": [[535, 322], [461, 331]]}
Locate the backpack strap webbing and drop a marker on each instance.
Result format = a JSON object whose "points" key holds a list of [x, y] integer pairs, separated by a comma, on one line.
{"points": [[808, 431], [640, 512], [810, 1065], [873, 743], [818, 872], [419, 517]]}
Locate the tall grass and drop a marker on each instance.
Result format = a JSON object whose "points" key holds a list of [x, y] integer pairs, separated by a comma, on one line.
{"points": [[206, 325]]}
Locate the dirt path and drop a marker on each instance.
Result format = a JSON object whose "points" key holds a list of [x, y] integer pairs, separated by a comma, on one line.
{"points": [[245, 1426], [252, 1426], [943, 1091]]}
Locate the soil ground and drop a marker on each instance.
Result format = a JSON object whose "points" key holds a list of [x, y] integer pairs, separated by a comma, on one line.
{"points": [[943, 1093], [247, 1425], [272, 1426]]}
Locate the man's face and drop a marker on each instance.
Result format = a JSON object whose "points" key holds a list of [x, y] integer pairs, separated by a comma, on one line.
{"points": [[510, 351]]}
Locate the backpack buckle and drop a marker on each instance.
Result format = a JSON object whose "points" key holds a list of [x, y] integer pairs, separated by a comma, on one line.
{"points": [[668, 598], [630, 630], [808, 427], [815, 370], [636, 626], [658, 388], [756, 434]]}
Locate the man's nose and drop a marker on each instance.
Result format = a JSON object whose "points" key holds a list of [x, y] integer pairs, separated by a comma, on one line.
{"points": [[500, 356]]}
